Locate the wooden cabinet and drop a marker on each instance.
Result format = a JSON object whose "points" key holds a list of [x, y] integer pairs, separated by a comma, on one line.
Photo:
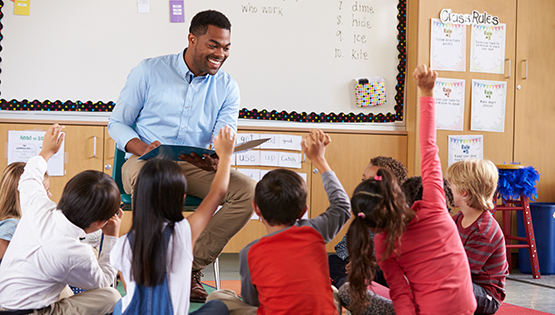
{"points": [[529, 127], [84, 150]]}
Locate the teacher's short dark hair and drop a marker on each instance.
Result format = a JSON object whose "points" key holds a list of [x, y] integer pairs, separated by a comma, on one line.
{"points": [[88, 197], [200, 22]]}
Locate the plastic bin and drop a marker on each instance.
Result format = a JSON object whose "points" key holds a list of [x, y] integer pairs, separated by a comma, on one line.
{"points": [[543, 219]]}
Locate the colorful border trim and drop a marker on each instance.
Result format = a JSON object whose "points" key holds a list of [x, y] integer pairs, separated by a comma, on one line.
{"points": [[79, 106]]}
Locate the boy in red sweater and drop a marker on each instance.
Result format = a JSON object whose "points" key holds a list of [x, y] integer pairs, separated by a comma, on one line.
{"points": [[286, 271], [473, 183]]}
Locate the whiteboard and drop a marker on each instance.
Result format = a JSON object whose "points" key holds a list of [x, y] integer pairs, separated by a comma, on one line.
{"points": [[286, 55]]}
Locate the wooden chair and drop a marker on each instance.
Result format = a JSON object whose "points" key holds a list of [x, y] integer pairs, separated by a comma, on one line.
{"points": [[191, 202]]}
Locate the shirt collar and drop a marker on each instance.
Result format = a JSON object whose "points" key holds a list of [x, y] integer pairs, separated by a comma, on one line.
{"points": [[71, 228], [185, 72]]}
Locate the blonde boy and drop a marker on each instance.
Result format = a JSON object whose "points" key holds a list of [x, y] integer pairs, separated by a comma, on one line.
{"points": [[473, 183]]}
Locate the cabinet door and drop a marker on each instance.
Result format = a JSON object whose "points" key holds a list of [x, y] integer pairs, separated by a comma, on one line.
{"points": [[83, 151], [348, 155], [534, 142], [498, 146], [109, 147]]}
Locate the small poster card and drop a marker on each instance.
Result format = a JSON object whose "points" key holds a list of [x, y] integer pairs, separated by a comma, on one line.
{"points": [[250, 172], [273, 143], [269, 158], [488, 105], [23, 145], [487, 48], [465, 147], [22, 7], [143, 6], [248, 158], [177, 15], [448, 46], [246, 137], [291, 160], [449, 95], [290, 142]]}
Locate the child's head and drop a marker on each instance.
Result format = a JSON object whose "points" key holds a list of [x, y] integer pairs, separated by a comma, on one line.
{"points": [[412, 188], [394, 166], [9, 196], [88, 197], [46, 183], [157, 199], [473, 183], [281, 197]]}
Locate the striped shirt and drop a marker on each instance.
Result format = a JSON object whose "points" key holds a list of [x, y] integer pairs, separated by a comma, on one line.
{"points": [[485, 248]]}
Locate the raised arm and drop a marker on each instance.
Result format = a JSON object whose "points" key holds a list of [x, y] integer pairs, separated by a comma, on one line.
{"points": [[224, 145], [432, 178], [329, 223], [32, 194]]}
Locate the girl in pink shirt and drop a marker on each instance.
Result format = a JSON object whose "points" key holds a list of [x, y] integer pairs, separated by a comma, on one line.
{"points": [[418, 248]]}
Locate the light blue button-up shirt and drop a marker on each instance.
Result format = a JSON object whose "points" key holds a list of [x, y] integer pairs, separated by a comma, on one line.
{"points": [[165, 102]]}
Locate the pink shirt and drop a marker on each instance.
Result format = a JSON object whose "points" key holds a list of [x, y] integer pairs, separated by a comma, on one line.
{"points": [[431, 255]]}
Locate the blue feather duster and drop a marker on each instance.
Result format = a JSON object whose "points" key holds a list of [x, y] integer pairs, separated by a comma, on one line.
{"points": [[514, 183]]}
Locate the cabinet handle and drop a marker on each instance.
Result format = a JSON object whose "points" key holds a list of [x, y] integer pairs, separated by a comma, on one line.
{"points": [[108, 166], [509, 68], [526, 69], [315, 171], [94, 149]]}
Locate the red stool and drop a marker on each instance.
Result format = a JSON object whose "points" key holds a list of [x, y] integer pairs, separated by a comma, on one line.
{"points": [[523, 205]]}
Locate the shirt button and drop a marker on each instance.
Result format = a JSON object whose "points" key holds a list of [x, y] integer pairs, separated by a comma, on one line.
{"points": [[187, 106]]}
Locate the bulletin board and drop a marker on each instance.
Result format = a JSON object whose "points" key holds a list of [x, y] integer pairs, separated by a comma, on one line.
{"points": [[294, 60]]}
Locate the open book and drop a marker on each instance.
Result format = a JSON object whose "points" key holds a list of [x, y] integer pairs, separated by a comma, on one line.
{"points": [[168, 151]]}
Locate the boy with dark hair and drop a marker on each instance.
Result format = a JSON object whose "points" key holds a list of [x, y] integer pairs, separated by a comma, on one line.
{"points": [[286, 271], [45, 254]]}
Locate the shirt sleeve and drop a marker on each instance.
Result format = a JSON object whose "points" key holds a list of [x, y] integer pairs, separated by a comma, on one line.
{"points": [[399, 289], [249, 293], [89, 273], [432, 178], [227, 116], [329, 223], [128, 106], [32, 195], [7, 229]]}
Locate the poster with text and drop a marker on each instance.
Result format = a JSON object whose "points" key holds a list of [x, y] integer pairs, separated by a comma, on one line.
{"points": [[23, 145], [487, 48], [488, 105], [449, 95], [465, 147], [448, 46]]}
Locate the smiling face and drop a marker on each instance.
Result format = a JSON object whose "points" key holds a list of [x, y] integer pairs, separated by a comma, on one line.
{"points": [[207, 53]]}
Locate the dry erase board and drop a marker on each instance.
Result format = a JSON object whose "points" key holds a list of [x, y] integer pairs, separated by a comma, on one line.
{"points": [[294, 60]]}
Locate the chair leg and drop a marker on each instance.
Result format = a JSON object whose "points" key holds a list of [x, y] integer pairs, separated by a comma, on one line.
{"points": [[529, 228], [217, 273], [506, 222]]}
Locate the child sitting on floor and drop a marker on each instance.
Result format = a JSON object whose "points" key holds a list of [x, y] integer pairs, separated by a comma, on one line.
{"points": [[418, 248], [338, 263], [474, 183], [157, 254], [286, 271], [45, 254]]}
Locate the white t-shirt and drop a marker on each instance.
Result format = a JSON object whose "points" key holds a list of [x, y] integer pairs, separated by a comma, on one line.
{"points": [[180, 254]]}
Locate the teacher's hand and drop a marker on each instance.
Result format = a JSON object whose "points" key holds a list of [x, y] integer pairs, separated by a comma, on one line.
{"points": [[206, 162]]}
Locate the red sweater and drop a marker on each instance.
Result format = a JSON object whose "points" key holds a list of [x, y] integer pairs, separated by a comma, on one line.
{"points": [[485, 247], [431, 255], [291, 274]]}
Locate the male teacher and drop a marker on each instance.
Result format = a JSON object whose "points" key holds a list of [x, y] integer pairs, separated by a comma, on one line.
{"points": [[184, 99]]}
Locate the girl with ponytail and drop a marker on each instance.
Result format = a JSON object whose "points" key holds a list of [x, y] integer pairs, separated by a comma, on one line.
{"points": [[418, 248]]}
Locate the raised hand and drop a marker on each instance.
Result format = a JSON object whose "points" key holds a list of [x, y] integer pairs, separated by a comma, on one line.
{"points": [[425, 79], [52, 141], [314, 147], [224, 142]]}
